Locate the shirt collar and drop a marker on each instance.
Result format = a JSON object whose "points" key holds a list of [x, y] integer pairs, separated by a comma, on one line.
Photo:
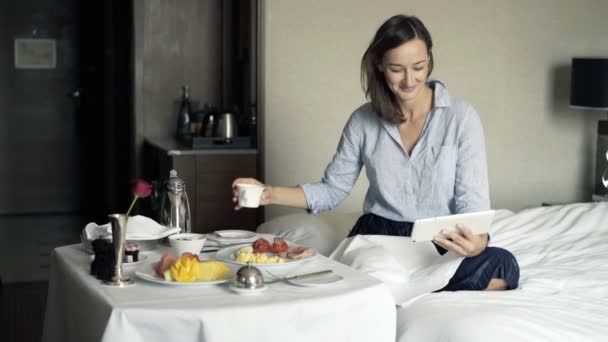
{"points": [[442, 97]]}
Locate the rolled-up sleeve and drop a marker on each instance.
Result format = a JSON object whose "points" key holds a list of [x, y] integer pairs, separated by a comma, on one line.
{"points": [[341, 173], [471, 186]]}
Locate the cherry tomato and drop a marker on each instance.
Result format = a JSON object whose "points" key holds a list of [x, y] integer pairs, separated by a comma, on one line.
{"points": [[260, 245], [278, 246]]}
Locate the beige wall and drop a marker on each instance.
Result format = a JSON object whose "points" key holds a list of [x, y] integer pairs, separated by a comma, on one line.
{"points": [[510, 59]]}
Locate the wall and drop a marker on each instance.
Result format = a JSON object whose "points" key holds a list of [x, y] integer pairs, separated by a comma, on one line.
{"points": [[176, 43], [510, 59]]}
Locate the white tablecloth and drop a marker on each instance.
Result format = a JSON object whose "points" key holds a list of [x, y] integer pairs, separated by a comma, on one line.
{"points": [[80, 308]]}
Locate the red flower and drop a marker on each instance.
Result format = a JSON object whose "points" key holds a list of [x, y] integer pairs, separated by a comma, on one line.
{"points": [[142, 189]]}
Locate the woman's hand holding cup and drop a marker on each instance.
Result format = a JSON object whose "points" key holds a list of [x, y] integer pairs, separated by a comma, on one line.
{"points": [[249, 193]]}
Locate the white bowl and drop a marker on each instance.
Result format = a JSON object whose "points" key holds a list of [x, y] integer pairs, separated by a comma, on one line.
{"points": [[187, 242]]}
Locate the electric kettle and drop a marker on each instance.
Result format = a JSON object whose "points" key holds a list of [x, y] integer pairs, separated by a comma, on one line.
{"points": [[226, 127], [175, 209]]}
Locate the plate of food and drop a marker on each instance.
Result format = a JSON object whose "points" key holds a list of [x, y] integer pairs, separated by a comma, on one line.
{"points": [[263, 253], [186, 270]]}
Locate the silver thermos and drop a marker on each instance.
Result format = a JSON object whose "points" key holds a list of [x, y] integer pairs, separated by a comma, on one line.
{"points": [[175, 209]]}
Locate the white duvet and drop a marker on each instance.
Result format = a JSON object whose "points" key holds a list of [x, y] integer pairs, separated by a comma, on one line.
{"points": [[562, 296]]}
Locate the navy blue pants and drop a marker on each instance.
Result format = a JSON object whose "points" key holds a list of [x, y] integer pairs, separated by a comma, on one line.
{"points": [[474, 273]]}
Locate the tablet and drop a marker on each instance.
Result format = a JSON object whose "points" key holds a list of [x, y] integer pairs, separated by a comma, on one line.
{"points": [[425, 229]]}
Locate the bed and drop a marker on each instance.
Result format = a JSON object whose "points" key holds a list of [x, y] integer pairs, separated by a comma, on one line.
{"points": [[563, 293]]}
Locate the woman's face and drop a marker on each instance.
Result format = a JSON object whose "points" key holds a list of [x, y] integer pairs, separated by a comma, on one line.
{"points": [[406, 69]]}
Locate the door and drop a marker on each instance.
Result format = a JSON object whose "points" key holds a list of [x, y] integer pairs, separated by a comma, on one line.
{"points": [[39, 146], [64, 125]]}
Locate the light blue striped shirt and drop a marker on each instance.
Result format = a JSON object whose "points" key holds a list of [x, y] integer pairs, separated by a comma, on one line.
{"points": [[445, 174]]}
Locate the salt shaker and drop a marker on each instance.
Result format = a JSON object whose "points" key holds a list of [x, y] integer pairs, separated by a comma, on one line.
{"points": [[175, 209]]}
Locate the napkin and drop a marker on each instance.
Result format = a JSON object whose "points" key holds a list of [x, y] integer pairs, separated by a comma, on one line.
{"points": [[409, 269], [93, 232], [138, 228]]}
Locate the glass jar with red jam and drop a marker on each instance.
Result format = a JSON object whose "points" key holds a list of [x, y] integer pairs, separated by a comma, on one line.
{"points": [[131, 252]]}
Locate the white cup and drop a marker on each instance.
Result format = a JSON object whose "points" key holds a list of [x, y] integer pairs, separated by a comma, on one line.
{"points": [[249, 195], [187, 242]]}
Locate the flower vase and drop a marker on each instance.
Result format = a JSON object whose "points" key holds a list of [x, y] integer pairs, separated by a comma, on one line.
{"points": [[119, 236]]}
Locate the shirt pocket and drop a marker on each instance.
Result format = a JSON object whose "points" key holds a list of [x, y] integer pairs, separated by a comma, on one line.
{"points": [[440, 170]]}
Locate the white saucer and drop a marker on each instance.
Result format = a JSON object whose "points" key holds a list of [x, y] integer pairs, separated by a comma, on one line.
{"points": [[321, 281], [234, 234], [248, 292]]}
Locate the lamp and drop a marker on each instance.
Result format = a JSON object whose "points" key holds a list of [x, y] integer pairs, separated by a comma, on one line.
{"points": [[589, 90]]}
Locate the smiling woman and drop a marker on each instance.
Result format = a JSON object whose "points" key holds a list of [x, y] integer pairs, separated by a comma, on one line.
{"points": [[393, 74], [423, 152]]}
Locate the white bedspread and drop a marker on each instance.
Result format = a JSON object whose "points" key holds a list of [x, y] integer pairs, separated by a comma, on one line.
{"points": [[563, 292], [562, 296]]}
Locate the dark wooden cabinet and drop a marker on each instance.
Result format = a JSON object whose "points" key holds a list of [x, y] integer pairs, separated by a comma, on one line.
{"points": [[208, 175]]}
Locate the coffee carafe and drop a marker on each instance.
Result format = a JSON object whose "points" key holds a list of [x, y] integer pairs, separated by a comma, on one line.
{"points": [[175, 209]]}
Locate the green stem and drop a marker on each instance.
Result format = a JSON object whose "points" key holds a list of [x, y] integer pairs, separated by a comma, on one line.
{"points": [[135, 197]]}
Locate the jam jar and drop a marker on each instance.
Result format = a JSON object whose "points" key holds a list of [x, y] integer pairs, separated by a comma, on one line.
{"points": [[131, 252]]}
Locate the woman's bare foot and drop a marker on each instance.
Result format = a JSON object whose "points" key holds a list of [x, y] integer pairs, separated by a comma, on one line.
{"points": [[497, 285]]}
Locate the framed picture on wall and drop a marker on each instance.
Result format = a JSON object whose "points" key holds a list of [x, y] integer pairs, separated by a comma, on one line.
{"points": [[35, 53]]}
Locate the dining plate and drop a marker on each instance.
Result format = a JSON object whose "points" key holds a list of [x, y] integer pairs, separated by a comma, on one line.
{"points": [[320, 281], [225, 238], [148, 273], [234, 234], [227, 254]]}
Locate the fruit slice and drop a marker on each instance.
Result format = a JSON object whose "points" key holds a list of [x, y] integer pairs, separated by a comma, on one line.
{"points": [[212, 270], [167, 275], [190, 255], [185, 269]]}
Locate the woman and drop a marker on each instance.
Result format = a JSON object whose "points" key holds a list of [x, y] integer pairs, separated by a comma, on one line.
{"points": [[424, 155]]}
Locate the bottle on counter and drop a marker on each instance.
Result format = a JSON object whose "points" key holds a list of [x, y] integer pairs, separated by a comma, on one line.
{"points": [[202, 116], [211, 122], [198, 118], [184, 116]]}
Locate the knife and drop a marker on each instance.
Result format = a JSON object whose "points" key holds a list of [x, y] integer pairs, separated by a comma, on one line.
{"points": [[298, 277]]}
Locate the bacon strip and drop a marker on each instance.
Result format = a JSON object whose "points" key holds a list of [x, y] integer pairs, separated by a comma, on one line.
{"points": [[298, 252]]}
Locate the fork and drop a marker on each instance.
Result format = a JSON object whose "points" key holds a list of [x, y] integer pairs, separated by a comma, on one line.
{"points": [[276, 277], [301, 276]]}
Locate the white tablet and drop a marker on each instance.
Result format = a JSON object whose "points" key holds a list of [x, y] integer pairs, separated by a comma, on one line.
{"points": [[426, 229]]}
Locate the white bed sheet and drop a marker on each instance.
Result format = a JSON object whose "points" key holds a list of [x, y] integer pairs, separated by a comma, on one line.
{"points": [[563, 291]]}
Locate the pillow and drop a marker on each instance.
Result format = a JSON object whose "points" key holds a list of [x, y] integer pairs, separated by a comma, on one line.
{"points": [[321, 232]]}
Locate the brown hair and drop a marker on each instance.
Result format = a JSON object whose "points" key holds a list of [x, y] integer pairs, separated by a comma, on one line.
{"points": [[393, 32]]}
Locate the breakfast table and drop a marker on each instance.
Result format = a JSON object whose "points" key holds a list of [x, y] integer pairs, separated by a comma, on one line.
{"points": [[81, 308]]}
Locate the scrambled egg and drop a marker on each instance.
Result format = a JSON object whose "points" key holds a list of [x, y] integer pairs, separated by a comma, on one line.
{"points": [[258, 258]]}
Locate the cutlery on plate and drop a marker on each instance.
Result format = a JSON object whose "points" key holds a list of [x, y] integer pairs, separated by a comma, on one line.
{"points": [[218, 246], [223, 245], [297, 277], [209, 250]]}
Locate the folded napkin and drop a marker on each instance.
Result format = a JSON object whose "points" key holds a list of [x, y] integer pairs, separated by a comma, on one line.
{"points": [[138, 228]]}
